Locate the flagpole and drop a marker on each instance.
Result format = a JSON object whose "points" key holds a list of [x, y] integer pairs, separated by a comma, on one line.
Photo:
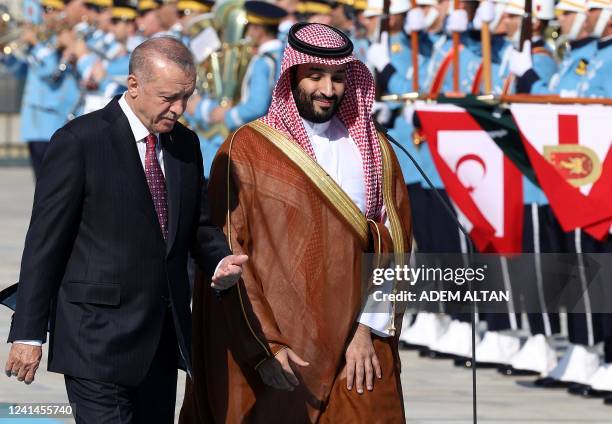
{"points": [[456, 42], [414, 40], [485, 36]]}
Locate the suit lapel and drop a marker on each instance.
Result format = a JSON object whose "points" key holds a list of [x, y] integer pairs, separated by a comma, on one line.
{"points": [[172, 167], [130, 163]]}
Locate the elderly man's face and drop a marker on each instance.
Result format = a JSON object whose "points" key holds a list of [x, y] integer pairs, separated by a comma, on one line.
{"points": [[160, 98], [318, 90]]}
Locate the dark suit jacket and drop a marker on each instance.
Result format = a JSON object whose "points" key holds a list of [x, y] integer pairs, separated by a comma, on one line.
{"points": [[95, 262]]}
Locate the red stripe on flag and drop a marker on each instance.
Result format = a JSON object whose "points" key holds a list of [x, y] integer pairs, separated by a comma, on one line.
{"points": [[568, 129]]}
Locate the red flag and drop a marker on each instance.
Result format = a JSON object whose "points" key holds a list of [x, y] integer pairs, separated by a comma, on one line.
{"points": [[569, 149], [485, 186]]}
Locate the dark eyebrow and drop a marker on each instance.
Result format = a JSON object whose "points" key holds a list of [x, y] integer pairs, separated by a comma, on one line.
{"points": [[315, 69]]}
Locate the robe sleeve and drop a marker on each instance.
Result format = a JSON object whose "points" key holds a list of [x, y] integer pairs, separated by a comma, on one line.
{"points": [[254, 333]]}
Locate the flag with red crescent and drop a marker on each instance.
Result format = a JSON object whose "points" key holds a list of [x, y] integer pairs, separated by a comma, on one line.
{"points": [[569, 149], [484, 185]]}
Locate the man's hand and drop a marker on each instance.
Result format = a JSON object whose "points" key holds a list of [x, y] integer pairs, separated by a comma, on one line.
{"points": [[23, 361], [484, 14], [361, 361], [521, 62], [277, 372], [228, 272], [29, 36], [457, 21], [415, 21]]}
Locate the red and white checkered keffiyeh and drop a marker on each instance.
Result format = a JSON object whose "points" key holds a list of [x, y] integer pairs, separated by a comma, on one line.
{"points": [[354, 111]]}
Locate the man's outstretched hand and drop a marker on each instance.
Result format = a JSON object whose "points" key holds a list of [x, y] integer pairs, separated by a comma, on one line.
{"points": [[228, 272], [23, 361]]}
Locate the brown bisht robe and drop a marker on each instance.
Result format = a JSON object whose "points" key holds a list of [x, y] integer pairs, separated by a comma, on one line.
{"points": [[300, 288]]}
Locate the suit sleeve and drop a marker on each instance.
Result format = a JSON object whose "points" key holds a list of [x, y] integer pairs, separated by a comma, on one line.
{"points": [[209, 245], [55, 221]]}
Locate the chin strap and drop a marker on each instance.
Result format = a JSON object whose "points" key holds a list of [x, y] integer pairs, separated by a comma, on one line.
{"points": [[602, 22], [579, 21]]}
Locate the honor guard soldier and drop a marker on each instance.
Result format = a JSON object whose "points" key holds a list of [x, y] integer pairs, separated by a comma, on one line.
{"points": [[188, 10], [315, 11], [574, 66], [49, 93], [543, 60], [256, 90], [124, 14], [597, 81], [148, 19]]}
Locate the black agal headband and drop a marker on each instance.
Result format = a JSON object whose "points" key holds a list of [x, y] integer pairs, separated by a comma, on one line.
{"points": [[312, 50]]}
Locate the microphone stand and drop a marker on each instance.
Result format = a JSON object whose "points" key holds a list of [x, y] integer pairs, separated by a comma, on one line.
{"points": [[470, 250]]}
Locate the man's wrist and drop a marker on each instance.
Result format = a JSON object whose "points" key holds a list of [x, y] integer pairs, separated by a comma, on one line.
{"points": [[29, 342]]}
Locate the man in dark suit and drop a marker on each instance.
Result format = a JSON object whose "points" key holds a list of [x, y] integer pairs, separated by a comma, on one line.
{"points": [[119, 205]]}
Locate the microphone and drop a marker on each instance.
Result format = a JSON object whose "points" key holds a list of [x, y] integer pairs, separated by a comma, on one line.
{"points": [[470, 248]]}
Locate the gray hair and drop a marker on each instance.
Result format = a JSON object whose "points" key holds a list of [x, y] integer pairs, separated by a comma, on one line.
{"points": [[165, 47]]}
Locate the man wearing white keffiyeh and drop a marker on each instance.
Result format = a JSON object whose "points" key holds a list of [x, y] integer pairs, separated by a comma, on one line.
{"points": [[305, 191]]}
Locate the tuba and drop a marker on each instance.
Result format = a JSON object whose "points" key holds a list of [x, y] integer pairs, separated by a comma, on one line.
{"points": [[11, 31], [220, 75]]}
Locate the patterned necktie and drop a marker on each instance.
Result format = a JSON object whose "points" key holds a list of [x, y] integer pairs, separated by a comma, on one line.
{"points": [[157, 184]]}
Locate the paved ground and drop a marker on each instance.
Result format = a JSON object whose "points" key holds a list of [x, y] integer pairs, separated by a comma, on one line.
{"points": [[434, 391]]}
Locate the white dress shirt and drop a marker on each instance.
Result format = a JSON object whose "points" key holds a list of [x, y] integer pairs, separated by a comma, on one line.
{"points": [[339, 156], [140, 132]]}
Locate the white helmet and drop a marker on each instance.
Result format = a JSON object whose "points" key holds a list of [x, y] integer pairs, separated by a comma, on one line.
{"points": [[542, 9], [399, 6], [375, 7], [578, 6]]}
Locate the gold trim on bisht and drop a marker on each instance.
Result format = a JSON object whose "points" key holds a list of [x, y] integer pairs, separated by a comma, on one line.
{"points": [[394, 219], [317, 175], [264, 346]]}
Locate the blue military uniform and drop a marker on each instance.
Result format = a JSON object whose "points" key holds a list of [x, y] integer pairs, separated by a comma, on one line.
{"points": [[469, 62], [570, 74], [118, 61], [257, 85], [598, 82], [49, 94], [544, 63]]}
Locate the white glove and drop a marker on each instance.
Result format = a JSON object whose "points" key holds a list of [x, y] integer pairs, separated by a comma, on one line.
{"points": [[484, 13], [408, 112], [378, 54], [415, 21], [382, 112], [457, 21], [521, 62]]}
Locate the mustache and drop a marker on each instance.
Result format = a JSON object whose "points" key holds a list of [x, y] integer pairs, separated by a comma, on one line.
{"points": [[172, 116], [333, 98]]}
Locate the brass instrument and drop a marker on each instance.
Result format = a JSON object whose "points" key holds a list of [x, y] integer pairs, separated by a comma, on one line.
{"points": [[11, 31], [220, 75]]}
